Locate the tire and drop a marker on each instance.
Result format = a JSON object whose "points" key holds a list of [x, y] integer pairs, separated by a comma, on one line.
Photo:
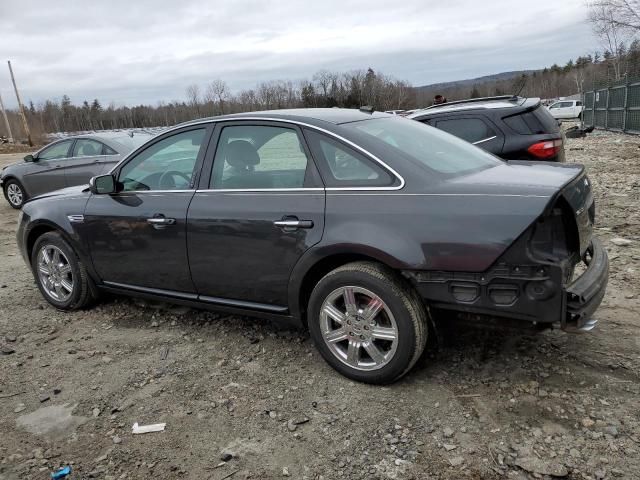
{"points": [[398, 330], [15, 194], [70, 287]]}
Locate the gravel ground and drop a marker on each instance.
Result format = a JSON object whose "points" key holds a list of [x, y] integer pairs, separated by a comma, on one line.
{"points": [[243, 398]]}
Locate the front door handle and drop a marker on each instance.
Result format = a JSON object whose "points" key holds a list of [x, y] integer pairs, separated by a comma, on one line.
{"points": [[160, 222], [294, 223]]}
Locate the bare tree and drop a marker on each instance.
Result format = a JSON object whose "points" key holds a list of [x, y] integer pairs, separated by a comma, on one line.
{"points": [[611, 33], [217, 92], [193, 96], [625, 14]]}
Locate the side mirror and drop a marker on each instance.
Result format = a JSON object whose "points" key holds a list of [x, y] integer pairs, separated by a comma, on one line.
{"points": [[102, 184], [30, 158]]}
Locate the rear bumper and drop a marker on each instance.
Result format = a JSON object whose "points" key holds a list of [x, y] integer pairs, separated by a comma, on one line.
{"points": [[584, 295], [533, 293]]}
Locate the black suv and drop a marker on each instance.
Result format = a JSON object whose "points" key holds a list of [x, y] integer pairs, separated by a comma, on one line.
{"points": [[508, 126]]}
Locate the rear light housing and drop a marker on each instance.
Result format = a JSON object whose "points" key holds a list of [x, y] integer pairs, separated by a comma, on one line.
{"points": [[545, 149]]}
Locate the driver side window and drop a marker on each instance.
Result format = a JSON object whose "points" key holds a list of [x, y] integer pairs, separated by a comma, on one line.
{"points": [[56, 152], [165, 165]]}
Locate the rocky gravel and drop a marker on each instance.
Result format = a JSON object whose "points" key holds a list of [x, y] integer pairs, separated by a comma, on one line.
{"points": [[247, 399]]}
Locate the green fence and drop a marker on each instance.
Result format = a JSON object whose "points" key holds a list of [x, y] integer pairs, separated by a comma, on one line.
{"points": [[614, 108]]}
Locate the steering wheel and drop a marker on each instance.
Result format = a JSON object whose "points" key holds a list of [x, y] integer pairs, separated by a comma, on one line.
{"points": [[162, 181]]}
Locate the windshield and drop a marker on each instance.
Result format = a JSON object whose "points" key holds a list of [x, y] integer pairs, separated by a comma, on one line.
{"points": [[434, 148]]}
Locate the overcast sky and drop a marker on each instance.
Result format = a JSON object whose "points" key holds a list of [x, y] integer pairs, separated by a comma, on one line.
{"points": [[138, 51]]}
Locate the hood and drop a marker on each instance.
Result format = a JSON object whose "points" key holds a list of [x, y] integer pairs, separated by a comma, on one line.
{"points": [[78, 190], [521, 178], [13, 168]]}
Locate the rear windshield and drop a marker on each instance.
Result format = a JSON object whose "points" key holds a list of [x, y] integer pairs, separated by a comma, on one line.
{"points": [[131, 143], [534, 122], [438, 150]]}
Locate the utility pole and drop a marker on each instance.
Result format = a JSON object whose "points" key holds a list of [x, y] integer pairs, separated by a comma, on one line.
{"points": [[6, 120], [21, 107]]}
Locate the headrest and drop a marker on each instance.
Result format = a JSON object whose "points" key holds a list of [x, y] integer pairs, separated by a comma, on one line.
{"points": [[241, 154], [89, 149]]}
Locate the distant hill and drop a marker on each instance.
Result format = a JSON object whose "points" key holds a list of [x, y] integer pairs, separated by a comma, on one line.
{"points": [[474, 81]]}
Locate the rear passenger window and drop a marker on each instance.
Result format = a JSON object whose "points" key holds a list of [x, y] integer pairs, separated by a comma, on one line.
{"points": [[85, 147], [470, 129], [518, 124], [538, 121], [258, 157], [341, 166]]}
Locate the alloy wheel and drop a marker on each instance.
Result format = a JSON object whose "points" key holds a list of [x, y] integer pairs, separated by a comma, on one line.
{"points": [[14, 194], [359, 328], [55, 273]]}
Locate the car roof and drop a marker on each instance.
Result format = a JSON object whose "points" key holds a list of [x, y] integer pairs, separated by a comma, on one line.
{"points": [[115, 135], [336, 116], [487, 103], [123, 141]]}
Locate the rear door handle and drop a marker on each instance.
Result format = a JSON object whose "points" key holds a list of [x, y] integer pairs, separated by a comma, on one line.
{"points": [[294, 223]]}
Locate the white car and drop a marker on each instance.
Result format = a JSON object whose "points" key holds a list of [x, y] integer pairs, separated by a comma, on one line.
{"points": [[566, 109]]}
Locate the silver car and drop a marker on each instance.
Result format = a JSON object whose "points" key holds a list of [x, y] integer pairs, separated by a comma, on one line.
{"points": [[65, 163]]}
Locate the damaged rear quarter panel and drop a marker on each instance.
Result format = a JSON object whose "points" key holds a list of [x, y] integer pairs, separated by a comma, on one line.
{"points": [[421, 231]]}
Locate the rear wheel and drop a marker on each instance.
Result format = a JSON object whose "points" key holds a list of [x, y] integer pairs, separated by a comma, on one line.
{"points": [[366, 323], [14, 193], [60, 274]]}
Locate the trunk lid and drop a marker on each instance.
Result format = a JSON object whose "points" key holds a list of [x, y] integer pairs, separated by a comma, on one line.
{"points": [[552, 180], [516, 178]]}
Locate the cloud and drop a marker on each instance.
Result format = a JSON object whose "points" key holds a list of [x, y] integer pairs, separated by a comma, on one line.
{"points": [[147, 51]]}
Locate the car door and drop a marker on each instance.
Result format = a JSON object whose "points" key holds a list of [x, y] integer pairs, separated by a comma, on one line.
{"points": [[46, 173], [87, 160], [562, 109], [137, 236], [474, 129], [260, 206]]}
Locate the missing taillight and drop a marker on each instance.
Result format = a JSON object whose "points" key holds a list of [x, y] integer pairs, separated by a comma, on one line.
{"points": [[545, 149]]}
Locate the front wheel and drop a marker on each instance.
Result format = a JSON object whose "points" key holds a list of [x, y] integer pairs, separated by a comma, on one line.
{"points": [[366, 323], [60, 274], [15, 194]]}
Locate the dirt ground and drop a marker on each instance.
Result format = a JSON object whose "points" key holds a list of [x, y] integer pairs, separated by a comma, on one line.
{"points": [[15, 148], [243, 398]]}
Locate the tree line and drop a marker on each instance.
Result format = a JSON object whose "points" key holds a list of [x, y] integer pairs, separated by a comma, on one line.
{"points": [[326, 89], [582, 74]]}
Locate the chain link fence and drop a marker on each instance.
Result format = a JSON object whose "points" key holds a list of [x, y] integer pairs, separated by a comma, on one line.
{"points": [[614, 104], [614, 107]]}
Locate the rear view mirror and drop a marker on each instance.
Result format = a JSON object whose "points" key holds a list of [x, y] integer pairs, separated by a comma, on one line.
{"points": [[102, 184], [29, 158]]}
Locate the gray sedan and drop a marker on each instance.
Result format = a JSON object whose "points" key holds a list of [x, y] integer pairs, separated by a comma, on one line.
{"points": [[65, 163]]}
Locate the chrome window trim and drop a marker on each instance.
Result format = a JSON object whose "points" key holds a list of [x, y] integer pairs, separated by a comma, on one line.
{"points": [[484, 140], [391, 194], [293, 122], [151, 191], [259, 190]]}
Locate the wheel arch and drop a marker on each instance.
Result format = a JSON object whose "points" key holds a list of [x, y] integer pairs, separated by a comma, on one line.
{"points": [[11, 177], [311, 269], [40, 229]]}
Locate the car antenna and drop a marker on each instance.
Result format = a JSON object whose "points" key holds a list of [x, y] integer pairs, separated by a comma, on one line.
{"points": [[523, 83], [366, 109], [131, 133]]}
